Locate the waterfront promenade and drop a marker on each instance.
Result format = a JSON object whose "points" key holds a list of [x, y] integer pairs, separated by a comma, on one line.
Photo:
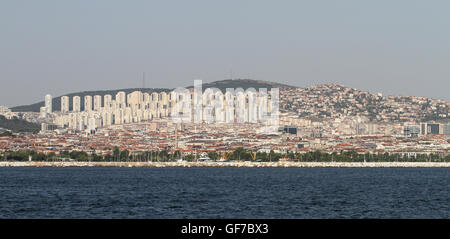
{"points": [[233, 164]]}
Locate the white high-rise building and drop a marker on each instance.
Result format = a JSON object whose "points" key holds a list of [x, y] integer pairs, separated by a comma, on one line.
{"points": [[76, 104], [64, 104], [48, 103], [107, 101], [137, 106], [91, 124], [146, 99], [88, 103], [43, 112], [97, 102], [121, 99], [135, 100]]}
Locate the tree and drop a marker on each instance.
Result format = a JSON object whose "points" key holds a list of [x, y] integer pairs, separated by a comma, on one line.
{"points": [[109, 158], [261, 156], [96, 158], [124, 155], [213, 155], [239, 154], [116, 153], [79, 155], [177, 154], [189, 157], [51, 156], [163, 154]]}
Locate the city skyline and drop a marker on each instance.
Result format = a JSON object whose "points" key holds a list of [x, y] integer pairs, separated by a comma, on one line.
{"points": [[57, 48], [255, 109], [39, 100]]}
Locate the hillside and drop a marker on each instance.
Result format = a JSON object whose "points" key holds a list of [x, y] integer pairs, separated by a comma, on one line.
{"points": [[245, 84], [222, 85], [18, 125], [334, 101]]}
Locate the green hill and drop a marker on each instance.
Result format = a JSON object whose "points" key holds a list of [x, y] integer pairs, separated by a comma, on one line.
{"points": [[18, 125], [244, 84]]}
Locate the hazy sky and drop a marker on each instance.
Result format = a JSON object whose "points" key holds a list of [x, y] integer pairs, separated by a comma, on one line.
{"points": [[58, 47]]}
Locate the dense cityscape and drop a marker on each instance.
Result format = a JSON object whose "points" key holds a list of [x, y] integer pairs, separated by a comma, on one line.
{"points": [[319, 123], [224, 119]]}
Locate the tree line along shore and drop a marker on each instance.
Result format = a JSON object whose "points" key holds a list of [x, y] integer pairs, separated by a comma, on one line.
{"points": [[243, 164], [239, 155]]}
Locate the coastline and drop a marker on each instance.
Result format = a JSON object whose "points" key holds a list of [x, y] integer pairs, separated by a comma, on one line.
{"points": [[234, 164]]}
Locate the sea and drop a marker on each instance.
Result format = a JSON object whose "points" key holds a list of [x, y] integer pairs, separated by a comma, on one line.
{"points": [[225, 192]]}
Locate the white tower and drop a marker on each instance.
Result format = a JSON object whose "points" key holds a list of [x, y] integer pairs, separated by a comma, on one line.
{"points": [[76, 104], [43, 112], [120, 99], [88, 103], [48, 103], [107, 101], [64, 104], [97, 102]]}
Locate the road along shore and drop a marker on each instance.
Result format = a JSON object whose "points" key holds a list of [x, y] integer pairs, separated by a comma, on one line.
{"points": [[233, 164]]}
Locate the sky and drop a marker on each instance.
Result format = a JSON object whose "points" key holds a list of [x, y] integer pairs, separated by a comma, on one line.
{"points": [[396, 47]]}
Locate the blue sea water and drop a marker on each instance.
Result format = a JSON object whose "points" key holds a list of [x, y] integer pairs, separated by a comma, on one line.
{"points": [[224, 192]]}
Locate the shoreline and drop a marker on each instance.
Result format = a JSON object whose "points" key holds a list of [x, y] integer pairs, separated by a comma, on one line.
{"points": [[234, 164]]}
